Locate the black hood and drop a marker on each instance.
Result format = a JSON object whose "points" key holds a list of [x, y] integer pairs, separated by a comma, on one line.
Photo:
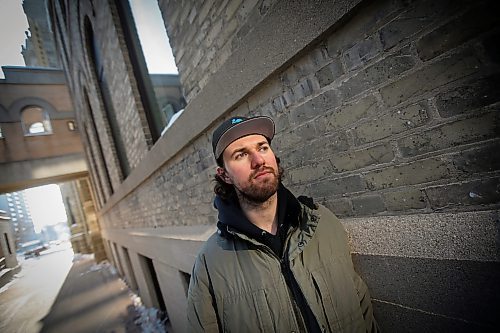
{"points": [[230, 213]]}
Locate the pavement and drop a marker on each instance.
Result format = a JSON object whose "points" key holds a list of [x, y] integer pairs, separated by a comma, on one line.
{"points": [[92, 299], [54, 293]]}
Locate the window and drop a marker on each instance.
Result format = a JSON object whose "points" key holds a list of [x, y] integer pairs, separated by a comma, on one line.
{"points": [[95, 58], [71, 126], [152, 62], [8, 243], [35, 121], [1, 134]]}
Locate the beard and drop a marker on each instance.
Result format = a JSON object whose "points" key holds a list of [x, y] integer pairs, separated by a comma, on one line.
{"points": [[258, 193]]}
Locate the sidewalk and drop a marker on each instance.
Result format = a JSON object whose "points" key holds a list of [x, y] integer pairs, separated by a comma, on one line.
{"points": [[91, 299]]}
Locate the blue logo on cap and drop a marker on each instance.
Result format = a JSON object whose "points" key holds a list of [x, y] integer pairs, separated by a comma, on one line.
{"points": [[236, 120]]}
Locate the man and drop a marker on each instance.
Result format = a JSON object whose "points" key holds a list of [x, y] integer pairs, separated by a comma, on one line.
{"points": [[277, 263]]}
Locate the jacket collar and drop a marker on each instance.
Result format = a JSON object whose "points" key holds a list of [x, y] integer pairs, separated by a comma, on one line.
{"points": [[232, 219]]}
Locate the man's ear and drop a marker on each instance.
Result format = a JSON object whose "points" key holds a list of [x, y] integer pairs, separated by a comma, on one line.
{"points": [[222, 174]]}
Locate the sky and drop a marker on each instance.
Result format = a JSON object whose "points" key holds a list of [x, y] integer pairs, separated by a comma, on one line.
{"points": [[149, 23], [13, 24], [46, 205]]}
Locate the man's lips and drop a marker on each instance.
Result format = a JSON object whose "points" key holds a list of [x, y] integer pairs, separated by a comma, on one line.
{"points": [[263, 172]]}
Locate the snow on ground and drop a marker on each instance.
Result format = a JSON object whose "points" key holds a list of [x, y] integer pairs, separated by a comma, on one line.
{"points": [[149, 319]]}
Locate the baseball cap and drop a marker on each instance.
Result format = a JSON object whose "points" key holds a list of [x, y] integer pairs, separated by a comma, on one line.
{"points": [[238, 127]]}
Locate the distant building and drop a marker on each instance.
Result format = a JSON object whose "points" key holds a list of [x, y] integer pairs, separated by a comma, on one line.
{"points": [[14, 205], [7, 248], [40, 50]]}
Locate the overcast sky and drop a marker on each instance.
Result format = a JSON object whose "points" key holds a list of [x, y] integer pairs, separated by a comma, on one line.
{"points": [[147, 16], [13, 24]]}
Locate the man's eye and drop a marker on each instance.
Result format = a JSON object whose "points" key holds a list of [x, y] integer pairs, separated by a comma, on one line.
{"points": [[239, 155], [264, 148]]}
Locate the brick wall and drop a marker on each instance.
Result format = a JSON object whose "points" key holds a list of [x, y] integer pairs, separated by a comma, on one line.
{"points": [[203, 34], [372, 121]]}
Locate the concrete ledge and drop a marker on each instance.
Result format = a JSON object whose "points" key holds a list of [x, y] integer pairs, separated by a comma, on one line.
{"points": [[174, 246], [260, 55], [457, 236]]}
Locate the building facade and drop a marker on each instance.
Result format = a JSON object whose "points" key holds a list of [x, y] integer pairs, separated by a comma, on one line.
{"points": [[82, 220], [386, 112], [8, 257], [39, 49], [14, 205]]}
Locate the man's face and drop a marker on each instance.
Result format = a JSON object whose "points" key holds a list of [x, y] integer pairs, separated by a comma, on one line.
{"points": [[250, 165]]}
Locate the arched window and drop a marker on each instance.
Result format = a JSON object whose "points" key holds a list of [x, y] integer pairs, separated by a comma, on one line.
{"points": [[35, 121]]}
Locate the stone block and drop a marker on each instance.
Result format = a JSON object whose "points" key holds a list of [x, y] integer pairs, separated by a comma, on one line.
{"points": [[323, 147], [417, 17], [461, 132], [350, 113], [404, 200], [354, 160], [381, 71], [492, 48], [467, 98], [417, 172], [340, 207], [367, 205], [329, 73], [476, 192], [431, 295], [395, 122], [339, 186], [362, 52], [430, 77], [464, 27], [310, 172], [482, 159], [316, 106]]}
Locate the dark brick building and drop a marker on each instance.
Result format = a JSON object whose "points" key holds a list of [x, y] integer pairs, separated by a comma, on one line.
{"points": [[386, 112]]}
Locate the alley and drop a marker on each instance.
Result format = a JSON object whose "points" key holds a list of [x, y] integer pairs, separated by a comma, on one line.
{"points": [[27, 298], [60, 292]]}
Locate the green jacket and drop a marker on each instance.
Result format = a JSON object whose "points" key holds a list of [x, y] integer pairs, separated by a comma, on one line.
{"points": [[237, 284]]}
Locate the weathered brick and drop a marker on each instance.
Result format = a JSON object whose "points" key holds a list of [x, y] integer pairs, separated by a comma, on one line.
{"points": [[340, 207], [492, 47], [350, 113], [402, 200], [459, 30], [476, 192], [339, 186], [231, 8], [385, 69], [395, 122], [329, 73], [415, 19], [310, 172], [314, 107], [302, 89], [482, 159], [418, 172], [437, 74], [324, 146], [474, 94], [364, 24], [362, 52], [449, 135], [354, 160], [368, 204]]}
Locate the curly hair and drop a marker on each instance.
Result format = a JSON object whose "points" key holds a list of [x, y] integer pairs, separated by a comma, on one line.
{"points": [[227, 191]]}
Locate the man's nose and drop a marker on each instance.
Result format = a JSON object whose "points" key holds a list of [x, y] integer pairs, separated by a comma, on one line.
{"points": [[257, 160]]}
